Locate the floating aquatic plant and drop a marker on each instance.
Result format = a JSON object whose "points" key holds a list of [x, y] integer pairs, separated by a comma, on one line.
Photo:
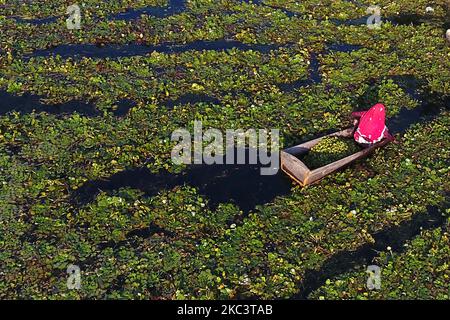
{"points": [[67, 195], [328, 150]]}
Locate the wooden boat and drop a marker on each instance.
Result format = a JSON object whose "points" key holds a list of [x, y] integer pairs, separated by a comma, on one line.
{"points": [[299, 172]]}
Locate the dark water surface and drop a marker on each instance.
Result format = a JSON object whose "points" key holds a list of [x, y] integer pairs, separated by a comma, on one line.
{"points": [[192, 99], [130, 50], [394, 237], [242, 185], [174, 7], [28, 103], [37, 22]]}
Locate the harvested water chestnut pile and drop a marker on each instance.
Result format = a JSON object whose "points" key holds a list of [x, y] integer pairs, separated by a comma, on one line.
{"points": [[328, 150]]}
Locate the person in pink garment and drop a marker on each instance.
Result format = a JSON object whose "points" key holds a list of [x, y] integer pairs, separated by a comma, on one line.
{"points": [[371, 127]]}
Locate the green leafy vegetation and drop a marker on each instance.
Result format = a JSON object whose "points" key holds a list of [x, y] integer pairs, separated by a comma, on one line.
{"points": [[422, 272], [67, 196]]}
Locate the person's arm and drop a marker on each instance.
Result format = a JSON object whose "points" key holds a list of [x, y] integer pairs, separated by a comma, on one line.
{"points": [[389, 136], [358, 114]]}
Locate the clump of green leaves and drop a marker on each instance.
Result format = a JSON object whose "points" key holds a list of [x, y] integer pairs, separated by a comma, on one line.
{"points": [[328, 150], [404, 275], [133, 244]]}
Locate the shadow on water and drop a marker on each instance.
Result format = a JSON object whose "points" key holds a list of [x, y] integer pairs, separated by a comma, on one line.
{"points": [[242, 184], [129, 50], [408, 117], [394, 237]]}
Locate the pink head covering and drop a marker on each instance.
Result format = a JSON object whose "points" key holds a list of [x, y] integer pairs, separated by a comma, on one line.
{"points": [[372, 125]]}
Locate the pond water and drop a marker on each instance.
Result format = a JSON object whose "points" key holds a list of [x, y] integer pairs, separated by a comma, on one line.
{"points": [[351, 22], [398, 20], [395, 237], [36, 22], [179, 6], [174, 7], [129, 50], [28, 103], [409, 19], [314, 76], [191, 99], [242, 185], [343, 47], [430, 105]]}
